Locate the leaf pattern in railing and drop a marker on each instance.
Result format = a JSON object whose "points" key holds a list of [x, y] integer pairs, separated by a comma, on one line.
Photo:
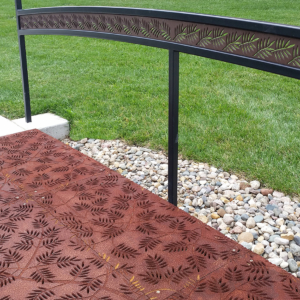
{"points": [[205, 37], [233, 42], [282, 49], [264, 48], [245, 43], [295, 62]]}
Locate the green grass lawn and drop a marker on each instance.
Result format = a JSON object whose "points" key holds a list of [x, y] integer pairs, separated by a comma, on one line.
{"points": [[240, 119]]}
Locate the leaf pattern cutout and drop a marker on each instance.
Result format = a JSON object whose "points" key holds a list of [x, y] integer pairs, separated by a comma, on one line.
{"points": [[196, 262], [218, 285], [152, 277], [200, 287], [115, 215], [295, 62], [42, 275], [155, 27], [155, 262], [233, 42], [103, 222], [135, 25], [5, 277], [23, 245], [218, 37], [265, 49], [258, 295], [4, 238], [52, 243], [189, 219], [292, 291], [165, 31], [127, 26], [204, 37], [208, 251], [177, 275], [190, 235], [176, 247], [234, 274], [72, 296], [121, 206], [99, 263], [256, 267], [261, 281], [177, 225], [102, 237], [124, 251], [231, 254], [112, 232], [149, 243], [80, 271], [117, 23], [248, 43], [90, 285], [40, 293], [66, 261], [180, 33], [128, 189], [282, 49], [176, 296], [12, 257], [131, 288], [145, 28], [162, 218], [146, 215], [147, 228], [144, 204], [22, 172]]}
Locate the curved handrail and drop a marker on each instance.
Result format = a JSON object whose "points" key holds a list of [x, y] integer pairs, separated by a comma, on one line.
{"points": [[259, 45], [267, 27]]}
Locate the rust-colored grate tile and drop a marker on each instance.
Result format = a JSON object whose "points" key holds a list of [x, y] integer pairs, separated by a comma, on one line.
{"points": [[70, 228]]}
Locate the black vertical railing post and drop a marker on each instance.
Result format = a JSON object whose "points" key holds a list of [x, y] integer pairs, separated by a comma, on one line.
{"points": [[24, 70], [173, 125]]}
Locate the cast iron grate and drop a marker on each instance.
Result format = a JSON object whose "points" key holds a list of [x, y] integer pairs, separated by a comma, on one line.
{"points": [[70, 228]]}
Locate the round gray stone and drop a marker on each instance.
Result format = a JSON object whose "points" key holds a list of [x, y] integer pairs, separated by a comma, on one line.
{"points": [[244, 217], [237, 218], [270, 207], [292, 265], [297, 239], [295, 249], [258, 218], [277, 211]]}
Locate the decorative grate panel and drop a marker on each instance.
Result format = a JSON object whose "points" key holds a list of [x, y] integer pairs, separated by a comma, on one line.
{"points": [[70, 228], [268, 47]]}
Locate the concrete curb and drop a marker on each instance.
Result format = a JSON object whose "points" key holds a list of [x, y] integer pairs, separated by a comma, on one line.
{"points": [[48, 123]]}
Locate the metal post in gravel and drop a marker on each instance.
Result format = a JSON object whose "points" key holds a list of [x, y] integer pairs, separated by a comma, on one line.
{"points": [[173, 125]]}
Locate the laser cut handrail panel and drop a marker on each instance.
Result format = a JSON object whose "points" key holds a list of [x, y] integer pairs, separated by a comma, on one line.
{"points": [[71, 228], [263, 46]]}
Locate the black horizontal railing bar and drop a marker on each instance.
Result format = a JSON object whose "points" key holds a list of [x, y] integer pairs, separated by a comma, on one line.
{"points": [[259, 26], [207, 53]]}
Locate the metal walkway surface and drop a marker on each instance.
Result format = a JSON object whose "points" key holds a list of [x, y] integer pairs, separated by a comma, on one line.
{"points": [[70, 228]]}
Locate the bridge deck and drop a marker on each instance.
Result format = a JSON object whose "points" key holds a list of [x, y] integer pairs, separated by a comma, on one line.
{"points": [[70, 228]]}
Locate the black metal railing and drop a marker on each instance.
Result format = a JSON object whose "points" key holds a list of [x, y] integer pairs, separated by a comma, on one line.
{"points": [[264, 46]]}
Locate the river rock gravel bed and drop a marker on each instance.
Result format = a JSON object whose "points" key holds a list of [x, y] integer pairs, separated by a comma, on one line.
{"points": [[262, 220]]}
